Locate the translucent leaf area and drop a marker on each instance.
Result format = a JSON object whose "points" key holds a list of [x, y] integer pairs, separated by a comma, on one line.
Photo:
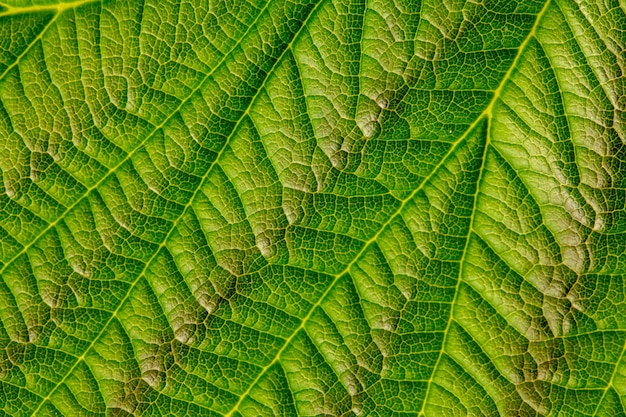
{"points": [[280, 208]]}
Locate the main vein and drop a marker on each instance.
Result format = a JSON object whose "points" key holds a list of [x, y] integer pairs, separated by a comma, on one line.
{"points": [[487, 113], [183, 211], [137, 148]]}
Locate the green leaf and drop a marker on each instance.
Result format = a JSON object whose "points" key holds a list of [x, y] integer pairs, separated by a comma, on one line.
{"points": [[313, 208]]}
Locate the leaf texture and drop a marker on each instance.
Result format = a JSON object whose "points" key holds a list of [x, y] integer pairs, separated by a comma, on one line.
{"points": [[313, 208]]}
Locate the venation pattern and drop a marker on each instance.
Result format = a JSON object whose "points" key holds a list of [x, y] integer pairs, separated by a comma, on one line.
{"points": [[313, 208]]}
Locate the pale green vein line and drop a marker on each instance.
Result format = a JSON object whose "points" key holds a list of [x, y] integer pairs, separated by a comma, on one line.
{"points": [[486, 113], [58, 8], [446, 331], [611, 381], [364, 248], [515, 62], [29, 47], [182, 214], [137, 148], [489, 115]]}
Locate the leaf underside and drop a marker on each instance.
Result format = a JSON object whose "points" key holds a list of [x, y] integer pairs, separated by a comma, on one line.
{"points": [[313, 208]]}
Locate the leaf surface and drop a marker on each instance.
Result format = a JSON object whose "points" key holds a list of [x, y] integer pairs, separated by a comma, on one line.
{"points": [[312, 208]]}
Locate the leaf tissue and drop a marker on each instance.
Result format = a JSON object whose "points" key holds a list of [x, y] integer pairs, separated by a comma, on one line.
{"points": [[280, 208]]}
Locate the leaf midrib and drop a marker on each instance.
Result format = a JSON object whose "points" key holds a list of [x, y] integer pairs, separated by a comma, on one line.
{"points": [[139, 146], [186, 207], [58, 7], [485, 114]]}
